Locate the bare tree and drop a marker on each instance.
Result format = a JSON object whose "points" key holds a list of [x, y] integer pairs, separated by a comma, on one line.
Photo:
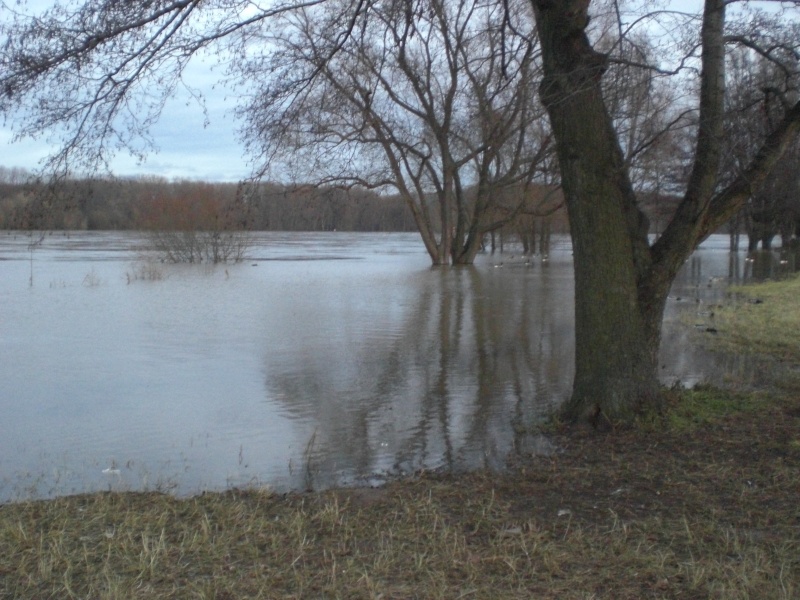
{"points": [[433, 100], [93, 77], [196, 222], [621, 279], [649, 113], [761, 89]]}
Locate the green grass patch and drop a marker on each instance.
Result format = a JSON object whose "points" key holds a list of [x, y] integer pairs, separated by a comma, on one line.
{"points": [[762, 318], [702, 405]]}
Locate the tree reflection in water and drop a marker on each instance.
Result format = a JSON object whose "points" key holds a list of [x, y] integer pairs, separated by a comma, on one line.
{"points": [[456, 372], [479, 355], [341, 359]]}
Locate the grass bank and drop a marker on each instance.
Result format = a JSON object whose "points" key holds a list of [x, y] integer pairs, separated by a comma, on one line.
{"points": [[763, 318], [704, 506]]}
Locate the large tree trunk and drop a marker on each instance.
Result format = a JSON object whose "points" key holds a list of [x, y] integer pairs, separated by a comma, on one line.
{"points": [[621, 283], [615, 362]]}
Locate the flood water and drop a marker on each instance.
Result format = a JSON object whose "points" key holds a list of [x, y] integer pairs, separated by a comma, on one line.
{"points": [[322, 360]]}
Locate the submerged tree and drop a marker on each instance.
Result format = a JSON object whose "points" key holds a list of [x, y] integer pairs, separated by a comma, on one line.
{"points": [[433, 100], [190, 222]]}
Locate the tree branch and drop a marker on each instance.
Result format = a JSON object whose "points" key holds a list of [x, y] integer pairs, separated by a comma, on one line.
{"points": [[726, 203]]}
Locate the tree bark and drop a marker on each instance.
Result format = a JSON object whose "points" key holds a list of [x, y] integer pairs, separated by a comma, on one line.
{"points": [[616, 367]]}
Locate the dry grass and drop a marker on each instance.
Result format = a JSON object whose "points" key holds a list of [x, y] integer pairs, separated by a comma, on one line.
{"points": [[145, 270], [708, 511], [703, 505]]}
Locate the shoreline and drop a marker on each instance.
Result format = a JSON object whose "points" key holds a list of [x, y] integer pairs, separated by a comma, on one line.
{"points": [[701, 503]]}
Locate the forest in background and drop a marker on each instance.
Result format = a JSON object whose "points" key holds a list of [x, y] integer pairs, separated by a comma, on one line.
{"points": [[158, 204], [146, 203]]}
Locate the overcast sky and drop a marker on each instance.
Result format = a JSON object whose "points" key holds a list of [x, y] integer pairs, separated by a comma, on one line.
{"points": [[187, 149]]}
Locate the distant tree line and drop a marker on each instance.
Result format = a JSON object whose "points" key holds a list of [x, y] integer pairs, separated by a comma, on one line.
{"points": [[148, 203], [156, 204]]}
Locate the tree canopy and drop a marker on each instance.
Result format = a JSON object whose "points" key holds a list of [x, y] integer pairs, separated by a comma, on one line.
{"points": [[434, 101]]}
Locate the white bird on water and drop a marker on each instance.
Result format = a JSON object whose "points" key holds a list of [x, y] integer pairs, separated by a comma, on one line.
{"points": [[112, 470]]}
